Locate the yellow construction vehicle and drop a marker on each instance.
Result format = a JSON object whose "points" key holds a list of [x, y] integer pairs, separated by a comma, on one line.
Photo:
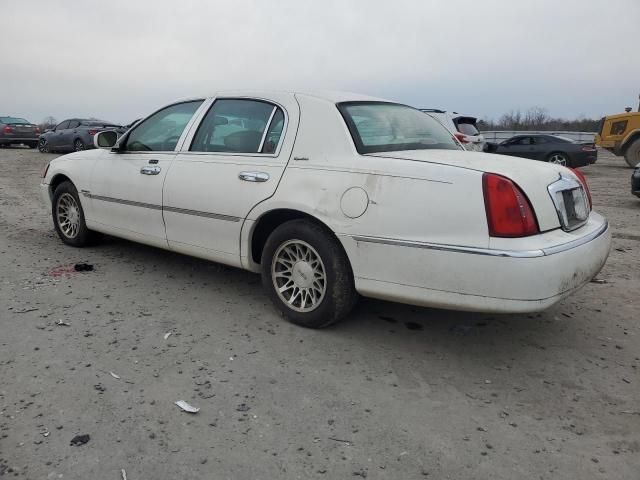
{"points": [[620, 134]]}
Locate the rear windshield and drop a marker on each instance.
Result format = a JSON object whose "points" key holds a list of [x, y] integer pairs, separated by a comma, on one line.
{"points": [[467, 128], [387, 127], [14, 121]]}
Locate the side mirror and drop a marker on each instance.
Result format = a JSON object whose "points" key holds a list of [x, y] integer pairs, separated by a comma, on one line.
{"points": [[106, 139]]}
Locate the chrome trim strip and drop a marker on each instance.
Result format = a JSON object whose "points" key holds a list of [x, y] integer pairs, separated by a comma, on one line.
{"points": [[566, 183], [122, 202], [578, 241], [488, 251], [198, 213], [184, 211], [266, 129]]}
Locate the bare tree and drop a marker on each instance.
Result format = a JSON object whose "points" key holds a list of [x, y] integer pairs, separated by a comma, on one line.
{"points": [[48, 122]]}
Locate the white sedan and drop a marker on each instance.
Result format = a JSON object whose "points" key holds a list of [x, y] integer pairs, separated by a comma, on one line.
{"points": [[333, 195]]}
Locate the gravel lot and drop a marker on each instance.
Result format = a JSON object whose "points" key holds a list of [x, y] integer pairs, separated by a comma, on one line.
{"points": [[395, 392]]}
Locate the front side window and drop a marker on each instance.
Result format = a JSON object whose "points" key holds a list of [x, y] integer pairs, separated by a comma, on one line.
{"points": [[63, 125], [239, 126], [618, 128], [386, 127], [162, 130], [524, 141], [74, 124]]}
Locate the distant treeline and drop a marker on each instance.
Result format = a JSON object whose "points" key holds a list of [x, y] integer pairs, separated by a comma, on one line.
{"points": [[538, 118]]}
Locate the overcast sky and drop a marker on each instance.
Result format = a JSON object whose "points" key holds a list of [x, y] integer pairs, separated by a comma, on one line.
{"points": [[120, 59]]}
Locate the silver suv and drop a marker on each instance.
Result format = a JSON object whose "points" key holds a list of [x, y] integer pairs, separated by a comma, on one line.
{"points": [[463, 127]]}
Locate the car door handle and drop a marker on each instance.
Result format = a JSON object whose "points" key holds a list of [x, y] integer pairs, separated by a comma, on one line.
{"points": [[253, 176], [150, 170]]}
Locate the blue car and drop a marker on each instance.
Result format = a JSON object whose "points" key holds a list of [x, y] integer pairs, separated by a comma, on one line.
{"points": [[73, 135]]}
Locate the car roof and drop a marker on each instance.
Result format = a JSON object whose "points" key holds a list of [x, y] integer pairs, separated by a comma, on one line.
{"points": [[333, 96]]}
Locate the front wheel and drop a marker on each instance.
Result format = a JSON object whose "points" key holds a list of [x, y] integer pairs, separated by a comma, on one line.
{"points": [[68, 216], [43, 146], [78, 145], [307, 274]]}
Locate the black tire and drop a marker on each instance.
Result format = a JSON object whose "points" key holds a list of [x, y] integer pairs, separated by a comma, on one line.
{"points": [[339, 295], [632, 154], [43, 146], [82, 236], [78, 145]]}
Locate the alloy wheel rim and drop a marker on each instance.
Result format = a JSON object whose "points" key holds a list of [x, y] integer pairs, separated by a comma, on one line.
{"points": [[79, 146], [559, 159], [43, 146], [68, 215], [299, 276]]}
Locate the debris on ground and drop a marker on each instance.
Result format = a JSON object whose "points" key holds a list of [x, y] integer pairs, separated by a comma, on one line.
{"points": [[25, 310], [83, 267], [114, 375], [124, 474], [61, 323], [186, 407], [243, 407], [79, 440], [599, 281], [167, 335]]}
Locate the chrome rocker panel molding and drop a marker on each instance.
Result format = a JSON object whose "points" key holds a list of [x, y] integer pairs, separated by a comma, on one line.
{"points": [[488, 251]]}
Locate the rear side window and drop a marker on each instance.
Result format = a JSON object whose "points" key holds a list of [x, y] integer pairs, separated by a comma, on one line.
{"points": [[240, 126], [162, 130], [618, 128], [386, 127]]}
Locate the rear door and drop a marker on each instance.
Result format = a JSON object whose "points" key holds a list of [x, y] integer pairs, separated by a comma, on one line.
{"points": [[126, 186], [230, 163]]}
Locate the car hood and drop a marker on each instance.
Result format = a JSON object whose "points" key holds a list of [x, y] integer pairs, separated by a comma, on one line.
{"points": [[533, 177]]}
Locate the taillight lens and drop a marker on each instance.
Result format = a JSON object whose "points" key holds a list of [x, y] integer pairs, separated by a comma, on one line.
{"points": [[37, 129], [509, 213], [588, 148], [93, 132], [461, 137], [7, 129], [583, 180]]}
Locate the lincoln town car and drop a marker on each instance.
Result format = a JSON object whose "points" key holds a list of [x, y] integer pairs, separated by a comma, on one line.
{"points": [[329, 196]]}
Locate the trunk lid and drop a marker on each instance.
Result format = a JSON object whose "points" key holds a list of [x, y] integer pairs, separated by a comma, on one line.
{"points": [[531, 176]]}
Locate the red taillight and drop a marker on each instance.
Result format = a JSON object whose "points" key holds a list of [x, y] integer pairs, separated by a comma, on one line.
{"points": [[92, 132], [588, 148], [37, 129], [509, 213], [583, 180], [461, 137], [7, 129]]}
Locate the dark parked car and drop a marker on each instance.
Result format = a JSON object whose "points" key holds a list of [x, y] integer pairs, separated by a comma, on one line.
{"points": [[74, 134], [635, 181], [18, 130], [548, 148]]}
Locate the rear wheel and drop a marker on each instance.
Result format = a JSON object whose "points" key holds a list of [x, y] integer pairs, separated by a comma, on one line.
{"points": [[68, 216], [78, 145], [307, 274], [632, 155], [558, 158]]}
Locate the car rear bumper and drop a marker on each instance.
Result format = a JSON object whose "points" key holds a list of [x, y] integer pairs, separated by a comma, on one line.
{"points": [[487, 280], [583, 159], [18, 139]]}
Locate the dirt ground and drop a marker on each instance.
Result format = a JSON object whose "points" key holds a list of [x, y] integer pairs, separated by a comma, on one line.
{"points": [[394, 392]]}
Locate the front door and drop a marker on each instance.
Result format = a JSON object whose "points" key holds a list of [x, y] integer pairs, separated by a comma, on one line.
{"points": [[232, 162], [126, 186], [56, 139]]}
